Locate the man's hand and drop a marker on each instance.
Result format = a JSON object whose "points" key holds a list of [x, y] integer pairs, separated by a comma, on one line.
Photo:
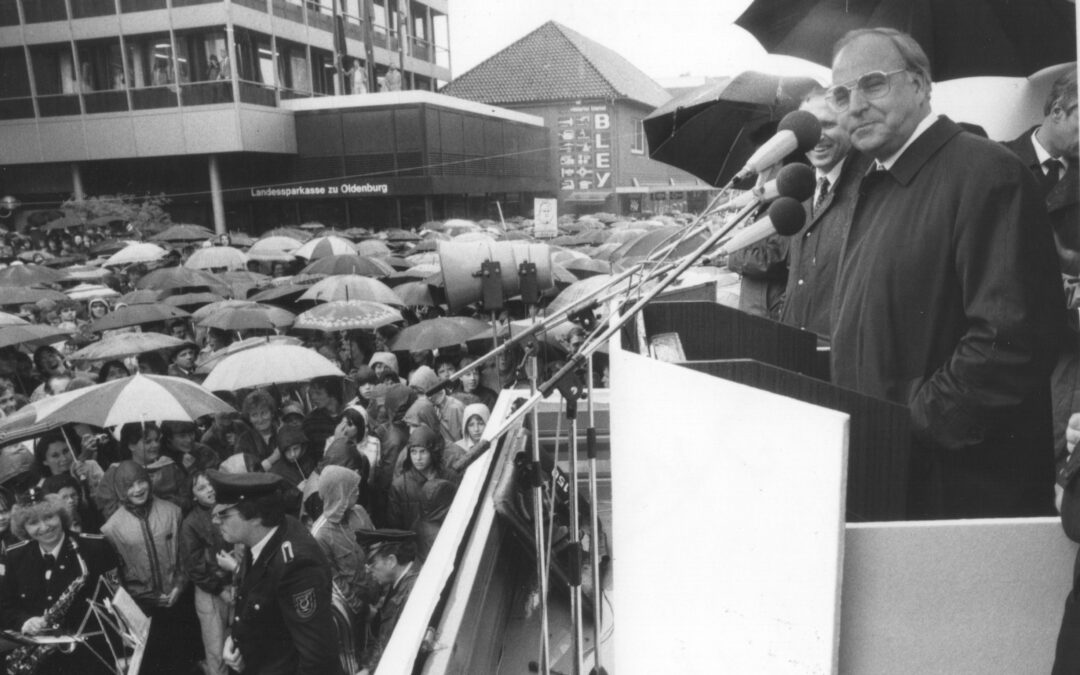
{"points": [[231, 656]]}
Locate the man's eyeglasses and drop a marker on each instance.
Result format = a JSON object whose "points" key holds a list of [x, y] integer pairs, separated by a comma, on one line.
{"points": [[871, 85]]}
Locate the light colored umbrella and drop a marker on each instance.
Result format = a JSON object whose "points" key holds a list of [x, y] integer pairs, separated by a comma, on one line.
{"points": [[372, 248], [86, 273], [184, 233], [428, 258], [12, 320], [274, 249], [351, 287], [140, 252], [201, 298], [217, 257], [168, 278], [138, 398], [348, 315], [29, 275], [31, 335], [135, 315], [413, 293], [350, 264], [272, 363], [244, 318], [207, 362], [90, 291], [442, 331], [280, 318], [320, 247], [122, 345], [141, 297], [579, 290]]}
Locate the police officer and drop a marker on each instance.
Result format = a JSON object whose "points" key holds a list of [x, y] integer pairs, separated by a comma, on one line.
{"points": [[391, 562], [283, 623]]}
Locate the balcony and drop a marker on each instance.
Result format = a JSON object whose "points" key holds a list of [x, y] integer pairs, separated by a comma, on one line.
{"points": [[259, 94], [206, 93], [105, 101], [16, 108], [58, 105], [149, 98]]}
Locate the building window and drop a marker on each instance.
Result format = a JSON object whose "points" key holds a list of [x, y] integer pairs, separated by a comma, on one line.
{"points": [[637, 144], [15, 101], [200, 55]]}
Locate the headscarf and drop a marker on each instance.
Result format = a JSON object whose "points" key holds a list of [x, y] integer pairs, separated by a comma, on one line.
{"points": [[423, 378], [387, 359], [422, 413], [335, 484], [472, 410], [126, 474], [398, 399]]}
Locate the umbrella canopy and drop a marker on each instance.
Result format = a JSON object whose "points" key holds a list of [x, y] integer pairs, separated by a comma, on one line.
{"points": [[588, 267], [86, 273], [143, 297], [192, 299], [16, 295], [268, 364], [657, 238], [63, 223], [174, 278], [399, 235], [349, 263], [122, 345], [442, 331], [321, 247], [31, 335], [351, 287], [962, 38], [254, 317], [210, 361], [280, 318], [217, 257], [372, 248], [90, 291], [12, 320], [29, 275], [135, 315], [139, 398], [241, 239], [274, 249], [182, 233], [711, 131], [348, 315], [139, 252], [291, 232], [415, 293]]}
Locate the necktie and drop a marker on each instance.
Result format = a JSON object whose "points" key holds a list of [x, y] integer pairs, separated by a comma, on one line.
{"points": [[1052, 174], [823, 191], [49, 559]]}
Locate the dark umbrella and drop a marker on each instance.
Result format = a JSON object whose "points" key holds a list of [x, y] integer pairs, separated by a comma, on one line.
{"points": [[134, 315], [64, 223], [175, 278], [31, 335], [181, 233], [712, 130], [18, 295], [962, 38], [443, 331]]}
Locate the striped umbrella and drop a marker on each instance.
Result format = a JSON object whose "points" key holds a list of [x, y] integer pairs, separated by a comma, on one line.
{"points": [[320, 247]]}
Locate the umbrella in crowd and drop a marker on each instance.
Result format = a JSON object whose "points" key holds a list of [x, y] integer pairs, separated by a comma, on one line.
{"points": [[183, 233], [279, 318], [86, 273], [12, 320], [140, 252], [29, 275], [168, 278], [274, 249], [321, 247], [209, 361], [373, 248], [141, 297], [439, 332], [139, 398], [962, 38], [414, 293], [63, 223], [348, 315], [239, 319], [90, 291], [192, 299], [122, 345], [31, 335], [135, 315], [351, 287], [217, 257], [349, 263], [272, 363], [17, 295]]}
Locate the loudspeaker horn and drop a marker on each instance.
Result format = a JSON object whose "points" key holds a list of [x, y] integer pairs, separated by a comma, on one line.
{"points": [[461, 261]]}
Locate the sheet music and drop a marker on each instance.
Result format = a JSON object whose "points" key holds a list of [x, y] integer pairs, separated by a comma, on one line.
{"points": [[138, 624]]}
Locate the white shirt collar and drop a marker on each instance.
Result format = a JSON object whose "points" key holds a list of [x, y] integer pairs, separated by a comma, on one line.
{"points": [[921, 128], [1041, 154], [257, 548]]}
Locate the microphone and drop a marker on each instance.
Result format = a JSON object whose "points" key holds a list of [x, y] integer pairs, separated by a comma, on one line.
{"points": [[794, 180], [786, 216], [799, 130]]}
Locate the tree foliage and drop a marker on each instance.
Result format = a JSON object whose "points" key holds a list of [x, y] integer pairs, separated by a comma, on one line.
{"points": [[146, 214]]}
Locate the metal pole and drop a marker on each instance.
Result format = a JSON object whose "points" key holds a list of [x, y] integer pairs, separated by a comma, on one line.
{"points": [[575, 545], [538, 521], [594, 525]]}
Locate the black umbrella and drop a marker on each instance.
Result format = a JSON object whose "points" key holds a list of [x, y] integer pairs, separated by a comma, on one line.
{"points": [[963, 38], [712, 130]]}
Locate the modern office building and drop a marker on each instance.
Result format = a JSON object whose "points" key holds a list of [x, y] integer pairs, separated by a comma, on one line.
{"points": [[593, 102], [201, 100]]}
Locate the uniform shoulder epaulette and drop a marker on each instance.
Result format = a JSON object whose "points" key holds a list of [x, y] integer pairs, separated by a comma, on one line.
{"points": [[18, 545]]}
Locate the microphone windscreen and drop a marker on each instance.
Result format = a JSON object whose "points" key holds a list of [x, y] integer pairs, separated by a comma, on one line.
{"points": [[796, 181], [804, 125], [787, 216]]}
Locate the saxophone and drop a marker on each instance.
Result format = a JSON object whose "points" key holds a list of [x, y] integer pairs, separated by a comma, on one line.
{"points": [[27, 659]]}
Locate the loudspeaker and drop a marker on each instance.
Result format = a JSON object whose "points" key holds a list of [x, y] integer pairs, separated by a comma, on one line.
{"points": [[462, 261]]}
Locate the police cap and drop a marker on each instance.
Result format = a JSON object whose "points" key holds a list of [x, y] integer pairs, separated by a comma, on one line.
{"points": [[233, 488]]}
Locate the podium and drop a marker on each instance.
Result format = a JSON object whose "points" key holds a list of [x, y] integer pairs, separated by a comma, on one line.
{"points": [[777, 358]]}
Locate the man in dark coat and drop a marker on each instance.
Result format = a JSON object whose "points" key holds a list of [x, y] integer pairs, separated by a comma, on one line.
{"points": [[1049, 150], [813, 253], [284, 624], [948, 297], [393, 564]]}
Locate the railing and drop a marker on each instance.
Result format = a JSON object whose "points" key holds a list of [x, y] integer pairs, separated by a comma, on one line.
{"points": [[58, 105], [287, 94], [258, 5], [185, 3], [40, 11], [82, 9], [206, 93], [259, 94], [154, 97], [16, 108], [105, 101], [288, 10]]}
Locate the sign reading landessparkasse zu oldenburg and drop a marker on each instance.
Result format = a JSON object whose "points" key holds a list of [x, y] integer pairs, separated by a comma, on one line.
{"points": [[545, 217]]}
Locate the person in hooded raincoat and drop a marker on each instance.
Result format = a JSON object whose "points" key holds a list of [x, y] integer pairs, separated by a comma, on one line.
{"points": [[460, 455], [424, 463]]}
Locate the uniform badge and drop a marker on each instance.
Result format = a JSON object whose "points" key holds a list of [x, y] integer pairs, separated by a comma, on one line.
{"points": [[304, 603]]}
